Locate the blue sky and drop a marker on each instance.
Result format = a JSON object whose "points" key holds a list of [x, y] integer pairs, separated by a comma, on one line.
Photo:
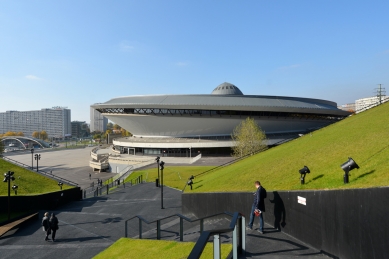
{"points": [[76, 53]]}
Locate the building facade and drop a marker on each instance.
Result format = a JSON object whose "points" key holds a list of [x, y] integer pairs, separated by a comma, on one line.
{"points": [[176, 124], [97, 121], [55, 121]]}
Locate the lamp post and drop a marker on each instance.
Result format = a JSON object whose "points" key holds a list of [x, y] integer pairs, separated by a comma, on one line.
{"points": [[60, 185], [32, 159], [37, 158], [8, 177], [157, 159], [162, 165]]}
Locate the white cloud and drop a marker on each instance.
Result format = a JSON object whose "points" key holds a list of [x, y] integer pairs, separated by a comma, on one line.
{"points": [[125, 46], [32, 77], [289, 67], [182, 64]]}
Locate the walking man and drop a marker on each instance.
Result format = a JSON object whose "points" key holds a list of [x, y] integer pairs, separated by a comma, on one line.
{"points": [[46, 225], [90, 176], [53, 225], [259, 205]]}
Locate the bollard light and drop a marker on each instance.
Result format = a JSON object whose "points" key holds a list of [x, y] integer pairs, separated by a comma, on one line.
{"points": [[60, 184], [15, 188], [303, 171], [190, 181], [347, 167]]}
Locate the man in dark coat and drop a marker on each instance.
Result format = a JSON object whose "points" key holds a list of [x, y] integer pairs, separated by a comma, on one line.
{"points": [[53, 225], [46, 225], [259, 205]]}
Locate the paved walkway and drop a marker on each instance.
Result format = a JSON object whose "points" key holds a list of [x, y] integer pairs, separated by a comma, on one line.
{"points": [[88, 227]]}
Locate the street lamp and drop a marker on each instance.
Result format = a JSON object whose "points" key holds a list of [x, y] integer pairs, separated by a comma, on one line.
{"points": [[37, 158], [8, 177], [162, 166], [157, 181], [303, 171], [32, 159], [347, 167], [60, 185]]}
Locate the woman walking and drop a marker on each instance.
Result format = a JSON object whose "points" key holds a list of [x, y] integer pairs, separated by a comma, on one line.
{"points": [[46, 225], [53, 225]]}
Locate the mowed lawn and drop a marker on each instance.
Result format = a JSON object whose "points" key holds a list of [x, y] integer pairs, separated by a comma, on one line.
{"points": [[29, 183], [364, 137], [173, 176], [142, 248]]}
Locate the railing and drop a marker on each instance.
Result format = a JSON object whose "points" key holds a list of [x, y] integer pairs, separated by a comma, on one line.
{"points": [[238, 239], [238, 246], [99, 190], [50, 175]]}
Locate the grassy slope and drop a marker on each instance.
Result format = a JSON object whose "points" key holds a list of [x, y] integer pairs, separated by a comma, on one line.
{"points": [[364, 137], [29, 183], [161, 249], [171, 174]]}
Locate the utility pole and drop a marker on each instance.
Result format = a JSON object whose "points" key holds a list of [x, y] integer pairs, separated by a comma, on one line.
{"points": [[380, 92]]}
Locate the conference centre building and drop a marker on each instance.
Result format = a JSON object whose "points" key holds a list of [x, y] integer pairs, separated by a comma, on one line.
{"points": [[185, 125]]}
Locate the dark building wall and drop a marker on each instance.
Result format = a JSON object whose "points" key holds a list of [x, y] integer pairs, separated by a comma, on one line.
{"points": [[39, 202], [343, 223]]}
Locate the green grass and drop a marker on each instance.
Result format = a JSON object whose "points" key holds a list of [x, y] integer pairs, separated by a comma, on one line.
{"points": [[173, 176], [161, 249], [29, 183], [364, 137], [4, 216]]}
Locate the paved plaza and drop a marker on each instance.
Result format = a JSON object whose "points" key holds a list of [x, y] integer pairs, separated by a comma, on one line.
{"points": [[71, 164]]}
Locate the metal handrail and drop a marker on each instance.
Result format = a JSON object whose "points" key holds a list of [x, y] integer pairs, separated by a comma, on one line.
{"points": [[240, 248], [182, 218], [41, 172]]}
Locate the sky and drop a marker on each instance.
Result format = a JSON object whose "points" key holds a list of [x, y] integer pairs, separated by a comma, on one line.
{"points": [[77, 53]]}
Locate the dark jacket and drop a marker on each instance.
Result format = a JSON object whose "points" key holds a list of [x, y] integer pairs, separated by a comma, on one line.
{"points": [[259, 197], [45, 223], [54, 223]]}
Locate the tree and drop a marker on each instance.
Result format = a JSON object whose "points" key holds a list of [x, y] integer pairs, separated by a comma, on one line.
{"points": [[248, 138], [35, 134], [11, 133], [116, 127], [109, 125], [43, 135], [125, 133], [108, 131]]}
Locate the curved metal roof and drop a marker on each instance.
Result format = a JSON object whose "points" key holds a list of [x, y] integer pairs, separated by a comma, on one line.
{"points": [[226, 102]]}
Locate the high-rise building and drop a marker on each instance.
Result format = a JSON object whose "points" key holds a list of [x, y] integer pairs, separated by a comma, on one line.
{"points": [[79, 129], [97, 121], [55, 121]]}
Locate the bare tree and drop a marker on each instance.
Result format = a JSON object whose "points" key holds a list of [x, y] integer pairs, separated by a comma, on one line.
{"points": [[248, 138], [1, 147]]}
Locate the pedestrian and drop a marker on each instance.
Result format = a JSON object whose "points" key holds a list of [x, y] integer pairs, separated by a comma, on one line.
{"points": [[46, 225], [90, 176], [258, 205], [53, 225]]}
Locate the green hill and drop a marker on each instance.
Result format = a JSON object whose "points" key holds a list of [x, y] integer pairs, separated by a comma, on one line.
{"points": [[364, 137], [29, 183]]}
